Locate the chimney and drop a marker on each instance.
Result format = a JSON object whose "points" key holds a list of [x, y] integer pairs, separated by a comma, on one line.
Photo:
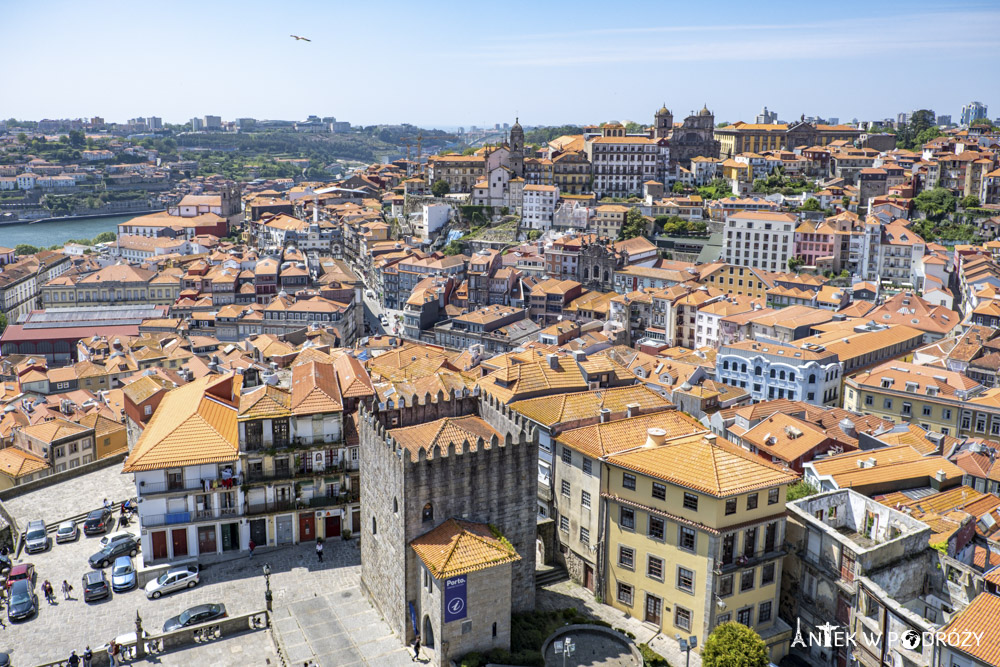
{"points": [[710, 438], [553, 360], [655, 437], [940, 475], [605, 414], [632, 409], [579, 355]]}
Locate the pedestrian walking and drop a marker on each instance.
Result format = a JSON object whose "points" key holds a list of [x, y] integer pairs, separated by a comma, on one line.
{"points": [[319, 550], [113, 653], [88, 657], [48, 591], [66, 589], [252, 546], [416, 647], [74, 660]]}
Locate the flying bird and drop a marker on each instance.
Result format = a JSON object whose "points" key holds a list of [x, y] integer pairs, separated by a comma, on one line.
{"points": [[304, 39]]}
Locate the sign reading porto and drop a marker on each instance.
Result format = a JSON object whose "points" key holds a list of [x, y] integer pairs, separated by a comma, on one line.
{"points": [[454, 599]]}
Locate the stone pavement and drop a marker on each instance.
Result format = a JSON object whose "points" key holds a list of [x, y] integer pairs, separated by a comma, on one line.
{"points": [[72, 497], [567, 594], [338, 628]]}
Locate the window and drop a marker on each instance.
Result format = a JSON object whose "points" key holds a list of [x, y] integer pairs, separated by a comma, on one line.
{"points": [[659, 491], [654, 568], [566, 488], [148, 410], [686, 538], [587, 467], [745, 616], [869, 399], [567, 455], [625, 594], [626, 557], [428, 513], [585, 499], [682, 618], [656, 527], [584, 535], [746, 579], [767, 574], [723, 618], [772, 496], [726, 586], [564, 524], [752, 501], [926, 411], [395, 506], [685, 579], [626, 518], [374, 527], [887, 404], [907, 408], [731, 506], [628, 481], [690, 501]]}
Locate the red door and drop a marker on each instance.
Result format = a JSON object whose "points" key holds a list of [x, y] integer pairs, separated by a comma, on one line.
{"points": [[332, 526], [159, 545], [588, 577], [179, 536], [307, 527]]}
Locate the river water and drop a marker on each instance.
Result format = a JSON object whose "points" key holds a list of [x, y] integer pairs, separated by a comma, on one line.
{"points": [[45, 234]]}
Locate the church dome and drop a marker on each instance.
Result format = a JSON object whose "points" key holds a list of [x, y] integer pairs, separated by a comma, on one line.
{"points": [[664, 111], [516, 125], [704, 111]]}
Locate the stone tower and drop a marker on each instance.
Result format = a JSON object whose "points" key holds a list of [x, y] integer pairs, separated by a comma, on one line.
{"points": [[517, 149], [664, 123]]}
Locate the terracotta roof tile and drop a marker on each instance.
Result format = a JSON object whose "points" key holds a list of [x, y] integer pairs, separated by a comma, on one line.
{"points": [[459, 547], [980, 617]]}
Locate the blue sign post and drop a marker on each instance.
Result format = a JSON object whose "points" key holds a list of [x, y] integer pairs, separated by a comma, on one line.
{"points": [[454, 599]]}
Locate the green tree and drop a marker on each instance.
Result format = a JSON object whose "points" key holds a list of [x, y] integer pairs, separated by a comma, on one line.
{"points": [[77, 138], [25, 249], [800, 489], [105, 237], [634, 128], [811, 204], [3, 322], [678, 188], [534, 234], [734, 645], [794, 263], [440, 188], [971, 201], [635, 224], [921, 120], [22, 138], [935, 203]]}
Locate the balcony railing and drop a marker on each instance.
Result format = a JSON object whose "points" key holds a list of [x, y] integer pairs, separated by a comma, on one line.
{"points": [[268, 506], [750, 559], [171, 518], [152, 488], [278, 475]]}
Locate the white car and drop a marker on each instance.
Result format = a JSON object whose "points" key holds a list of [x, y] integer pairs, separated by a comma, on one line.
{"points": [[67, 532], [174, 579], [114, 537]]}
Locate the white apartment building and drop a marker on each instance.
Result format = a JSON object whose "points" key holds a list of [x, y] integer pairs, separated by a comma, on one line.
{"points": [[900, 257], [620, 163], [761, 239], [539, 206], [770, 370]]}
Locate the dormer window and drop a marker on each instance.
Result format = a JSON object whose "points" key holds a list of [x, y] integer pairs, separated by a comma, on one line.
{"points": [[886, 383]]}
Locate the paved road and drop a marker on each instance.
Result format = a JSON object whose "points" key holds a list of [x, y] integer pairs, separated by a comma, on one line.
{"points": [[72, 497]]}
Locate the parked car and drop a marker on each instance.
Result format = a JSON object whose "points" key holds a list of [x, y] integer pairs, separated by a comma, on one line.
{"points": [[120, 535], [98, 521], [23, 602], [36, 538], [4, 660], [172, 580], [67, 532], [95, 586], [108, 554], [202, 613], [123, 577], [22, 571]]}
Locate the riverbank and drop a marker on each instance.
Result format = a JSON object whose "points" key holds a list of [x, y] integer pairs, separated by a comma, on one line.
{"points": [[129, 214]]}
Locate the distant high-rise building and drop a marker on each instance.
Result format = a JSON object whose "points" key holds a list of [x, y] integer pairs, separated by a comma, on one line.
{"points": [[197, 124], [902, 118], [154, 123], [833, 120], [506, 126], [972, 112], [245, 123], [766, 117], [213, 122], [496, 126], [944, 120], [97, 123]]}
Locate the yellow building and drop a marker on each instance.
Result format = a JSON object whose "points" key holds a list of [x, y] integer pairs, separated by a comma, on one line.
{"points": [[110, 437], [694, 536], [739, 280]]}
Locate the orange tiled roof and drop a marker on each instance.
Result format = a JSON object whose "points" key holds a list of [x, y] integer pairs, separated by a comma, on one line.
{"points": [[15, 463], [443, 432], [315, 389], [458, 547], [194, 424], [549, 410], [265, 402], [979, 617]]}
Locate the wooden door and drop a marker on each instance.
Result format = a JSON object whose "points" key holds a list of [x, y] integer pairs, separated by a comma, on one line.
{"points": [[179, 537], [332, 527], [356, 522], [307, 527], [588, 577], [159, 544], [206, 540], [653, 606]]}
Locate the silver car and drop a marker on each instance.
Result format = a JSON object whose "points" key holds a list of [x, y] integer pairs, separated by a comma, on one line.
{"points": [[67, 532], [174, 579], [115, 537], [36, 538]]}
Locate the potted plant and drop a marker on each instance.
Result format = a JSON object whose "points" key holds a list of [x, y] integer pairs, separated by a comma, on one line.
{"points": [[346, 533]]}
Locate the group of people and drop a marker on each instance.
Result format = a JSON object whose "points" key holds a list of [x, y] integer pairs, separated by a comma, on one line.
{"points": [[49, 592], [116, 654]]}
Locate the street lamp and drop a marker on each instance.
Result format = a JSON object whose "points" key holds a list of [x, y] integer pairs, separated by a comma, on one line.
{"points": [[687, 645], [267, 587]]}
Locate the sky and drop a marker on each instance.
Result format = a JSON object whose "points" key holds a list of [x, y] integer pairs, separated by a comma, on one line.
{"points": [[548, 62]]}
